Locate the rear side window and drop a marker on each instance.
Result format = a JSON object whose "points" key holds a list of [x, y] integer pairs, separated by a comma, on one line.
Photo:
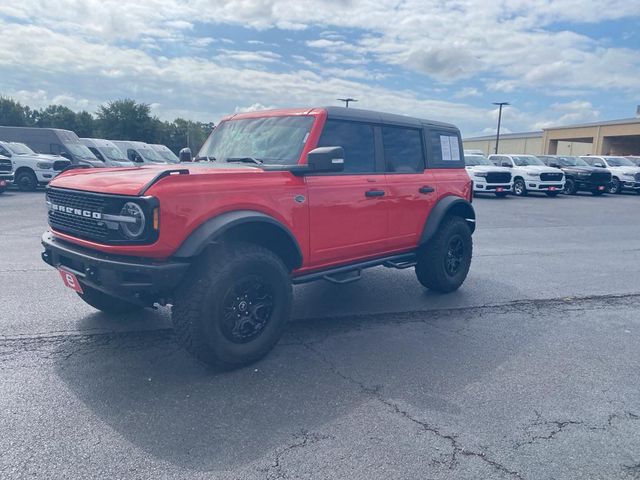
{"points": [[357, 141], [403, 152], [445, 150]]}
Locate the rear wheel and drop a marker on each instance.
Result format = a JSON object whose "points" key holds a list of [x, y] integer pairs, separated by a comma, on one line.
{"points": [[107, 303], [570, 187], [26, 181], [615, 186], [519, 188], [234, 306], [443, 264]]}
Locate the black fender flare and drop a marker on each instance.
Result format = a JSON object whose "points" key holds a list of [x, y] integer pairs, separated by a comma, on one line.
{"points": [[445, 206], [207, 233]]}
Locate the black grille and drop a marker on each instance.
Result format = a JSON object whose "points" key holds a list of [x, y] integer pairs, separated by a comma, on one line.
{"points": [[74, 223], [5, 165], [498, 177], [551, 177], [60, 165], [601, 177]]}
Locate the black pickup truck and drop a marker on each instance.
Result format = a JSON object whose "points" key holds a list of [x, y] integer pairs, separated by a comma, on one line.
{"points": [[579, 175]]}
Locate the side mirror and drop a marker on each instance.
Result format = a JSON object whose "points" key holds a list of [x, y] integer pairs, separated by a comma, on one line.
{"points": [[185, 155], [599, 165], [505, 164], [326, 159]]}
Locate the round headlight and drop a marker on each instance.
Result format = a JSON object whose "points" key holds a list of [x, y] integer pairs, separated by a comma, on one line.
{"points": [[133, 226]]}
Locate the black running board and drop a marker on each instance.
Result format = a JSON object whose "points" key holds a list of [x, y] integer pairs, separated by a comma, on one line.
{"points": [[353, 272]]}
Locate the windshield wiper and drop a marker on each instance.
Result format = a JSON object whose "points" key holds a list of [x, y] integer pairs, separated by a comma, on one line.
{"points": [[205, 157], [257, 161]]}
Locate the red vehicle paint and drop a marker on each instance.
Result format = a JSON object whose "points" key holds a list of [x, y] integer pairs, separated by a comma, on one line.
{"points": [[328, 191]]}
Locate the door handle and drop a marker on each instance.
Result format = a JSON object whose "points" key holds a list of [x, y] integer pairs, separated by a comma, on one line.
{"points": [[426, 189], [374, 193]]}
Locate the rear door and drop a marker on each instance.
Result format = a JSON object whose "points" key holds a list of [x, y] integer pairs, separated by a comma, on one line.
{"points": [[348, 210], [412, 188]]}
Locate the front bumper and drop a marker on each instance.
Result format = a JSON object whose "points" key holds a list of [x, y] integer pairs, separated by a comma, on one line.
{"points": [[630, 185], [136, 279], [479, 187], [6, 179], [544, 186]]}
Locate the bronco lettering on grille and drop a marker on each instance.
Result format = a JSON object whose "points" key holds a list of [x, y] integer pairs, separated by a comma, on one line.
{"points": [[75, 211]]}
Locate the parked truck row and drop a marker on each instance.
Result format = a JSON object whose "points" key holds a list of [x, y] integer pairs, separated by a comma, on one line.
{"points": [[32, 157]]}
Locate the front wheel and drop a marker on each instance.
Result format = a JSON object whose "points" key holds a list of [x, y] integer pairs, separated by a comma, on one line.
{"points": [[234, 307], [26, 181], [443, 264], [615, 186], [519, 188], [107, 303], [570, 187]]}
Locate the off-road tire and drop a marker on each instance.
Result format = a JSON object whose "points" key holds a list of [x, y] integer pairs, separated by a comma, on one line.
{"points": [[552, 194], [501, 194], [430, 268], [522, 188], [570, 187], [26, 181], [198, 312], [107, 303]]}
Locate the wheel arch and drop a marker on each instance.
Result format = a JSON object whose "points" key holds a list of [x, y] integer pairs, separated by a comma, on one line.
{"points": [[244, 225], [24, 169], [449, 205]]}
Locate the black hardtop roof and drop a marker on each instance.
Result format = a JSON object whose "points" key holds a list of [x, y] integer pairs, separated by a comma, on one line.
{"points": [[356, 114]]}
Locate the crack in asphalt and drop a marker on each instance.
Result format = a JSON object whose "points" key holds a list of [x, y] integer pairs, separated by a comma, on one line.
{"points": [[556, 427], [276, 469], [374, 392]]}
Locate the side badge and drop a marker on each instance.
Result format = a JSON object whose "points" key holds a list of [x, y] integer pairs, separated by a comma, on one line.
{"points": [[299, 198]]}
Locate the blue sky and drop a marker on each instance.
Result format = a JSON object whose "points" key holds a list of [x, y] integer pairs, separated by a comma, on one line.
{"points": [[556, 61]]}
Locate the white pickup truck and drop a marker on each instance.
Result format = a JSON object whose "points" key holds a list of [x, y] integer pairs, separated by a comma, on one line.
{"points": [[32, 169], [530, 174]]}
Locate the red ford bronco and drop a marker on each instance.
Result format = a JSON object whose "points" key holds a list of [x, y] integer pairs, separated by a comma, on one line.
{"points": [[278, 198]]}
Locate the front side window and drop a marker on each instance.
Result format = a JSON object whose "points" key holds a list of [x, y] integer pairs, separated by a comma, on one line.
{"points": [[403, 151], [96, 153], [80, 150], [475, 160], [357, 141], [620, 162], [270, 140]]}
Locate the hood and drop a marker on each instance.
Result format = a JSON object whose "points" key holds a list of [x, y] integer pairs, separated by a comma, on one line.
{"points": [[487, 168], [539, 169], [49, 157], [583, 168], [130, 181], [624, 170]]}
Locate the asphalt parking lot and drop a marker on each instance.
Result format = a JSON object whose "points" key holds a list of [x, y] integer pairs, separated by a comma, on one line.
{"points": [[530, 371]]}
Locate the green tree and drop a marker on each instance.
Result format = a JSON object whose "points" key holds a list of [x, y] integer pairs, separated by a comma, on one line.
{"points": [[85, 124], [126, 120], [12, 113], [56, 116]]}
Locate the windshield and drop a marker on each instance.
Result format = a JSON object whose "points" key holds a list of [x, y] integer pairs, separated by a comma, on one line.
{"points": [[572, 162], [635, 160], [80, 150], [113, 153], [20, 149], [150, 155], [473, 160], [619, 162], [524, 160], [274, 140], [167, 155]]}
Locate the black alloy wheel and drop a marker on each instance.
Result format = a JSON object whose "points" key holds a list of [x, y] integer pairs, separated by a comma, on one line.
{"points": [[246, 308], [454, 256]]}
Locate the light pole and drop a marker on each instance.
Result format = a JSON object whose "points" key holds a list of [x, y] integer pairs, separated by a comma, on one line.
{"points": [[500, 104], [347, 100]]}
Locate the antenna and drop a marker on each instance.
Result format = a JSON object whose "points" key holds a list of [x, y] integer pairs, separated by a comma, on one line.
{"points": [[347, 100]]}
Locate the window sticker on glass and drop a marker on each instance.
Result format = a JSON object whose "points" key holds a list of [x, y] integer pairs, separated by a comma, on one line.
{"points": [[455, 148], [446, 148], [450, 148]]}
